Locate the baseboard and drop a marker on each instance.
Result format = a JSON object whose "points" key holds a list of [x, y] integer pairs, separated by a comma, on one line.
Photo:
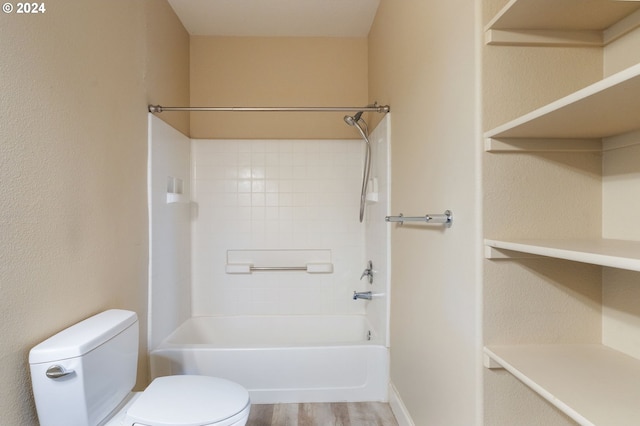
{"points": [[397, 406]]}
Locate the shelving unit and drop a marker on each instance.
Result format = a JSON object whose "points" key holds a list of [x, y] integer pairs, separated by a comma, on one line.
{"points": [[604, 252], [562, 22], [607, 108], [591, 383]]}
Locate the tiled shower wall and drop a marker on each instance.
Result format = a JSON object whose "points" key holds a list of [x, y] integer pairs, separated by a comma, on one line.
{"points": [[377, 234], [289, 194]]}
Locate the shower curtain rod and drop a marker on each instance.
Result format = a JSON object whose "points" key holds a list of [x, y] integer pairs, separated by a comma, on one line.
{"points": [[373, 108]]}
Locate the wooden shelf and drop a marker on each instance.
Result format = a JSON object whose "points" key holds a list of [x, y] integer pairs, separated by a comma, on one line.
{"points": [[562, 22], [619, 254], [592, 384], [607, 108], [561, 14]]}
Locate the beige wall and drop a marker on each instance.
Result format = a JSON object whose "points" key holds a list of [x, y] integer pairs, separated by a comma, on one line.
{"points": [[248, 71], [73, 222], [422, 62], [167, 62]]}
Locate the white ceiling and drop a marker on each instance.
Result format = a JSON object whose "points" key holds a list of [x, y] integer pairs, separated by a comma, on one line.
{"points": [[277, 18]]}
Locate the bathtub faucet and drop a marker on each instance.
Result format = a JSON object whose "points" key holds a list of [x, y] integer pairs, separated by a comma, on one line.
{"points": [[362, 295]]}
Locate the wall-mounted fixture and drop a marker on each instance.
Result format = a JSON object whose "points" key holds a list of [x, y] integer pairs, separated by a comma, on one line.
{"points": [[366, 295], [310, 261], [175, 189], [368, 272], [446, 218]]}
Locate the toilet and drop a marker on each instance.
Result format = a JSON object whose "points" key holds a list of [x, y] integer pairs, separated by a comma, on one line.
{"points": [[83, 376]]}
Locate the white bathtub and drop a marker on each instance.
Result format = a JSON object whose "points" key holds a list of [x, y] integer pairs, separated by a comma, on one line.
{"points": [[281, 359]]}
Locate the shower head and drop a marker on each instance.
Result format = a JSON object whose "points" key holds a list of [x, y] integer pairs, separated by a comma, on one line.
{"points": [[357, 122], [352, 120]]}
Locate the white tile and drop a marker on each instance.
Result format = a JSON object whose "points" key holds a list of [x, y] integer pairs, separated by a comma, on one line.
{"points": [[272, 185], [231, 186], [299, 158], [258, 199], [244, 185], [285, 199], [272, 172], [300, 186], [257, 213], [286, 159], [241, 145], [227, 199], [299, 199], [286, 172], [276, 205], [299, 146], [285, 185], [285, 146], [258, 146], [272, 146], [243, 159], [208, 172], [230, 172], [244, 172], [272, 159], [216, 186], [243, 213], [286, 212], [272, 214], [271, 200], [244, 199], [300, 172], [257, 185], [258, 159]]}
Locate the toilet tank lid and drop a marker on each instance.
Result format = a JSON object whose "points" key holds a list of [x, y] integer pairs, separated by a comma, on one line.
{"points": [[82, 337]]}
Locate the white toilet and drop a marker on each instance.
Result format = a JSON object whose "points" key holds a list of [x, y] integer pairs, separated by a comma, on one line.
{"points": [[83, 376]]}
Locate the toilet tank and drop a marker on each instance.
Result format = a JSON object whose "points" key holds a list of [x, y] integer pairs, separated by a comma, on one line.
{"points": [[80, 375]]}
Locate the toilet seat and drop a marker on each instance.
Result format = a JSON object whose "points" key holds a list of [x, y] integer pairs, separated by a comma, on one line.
{"points": [[190, 401]]}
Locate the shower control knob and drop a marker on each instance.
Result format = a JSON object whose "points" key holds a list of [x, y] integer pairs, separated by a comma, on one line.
{"points": [[368, 272]]}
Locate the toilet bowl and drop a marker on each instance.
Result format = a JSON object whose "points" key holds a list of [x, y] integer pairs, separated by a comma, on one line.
{"points": [[83, 376], [190, 400]]}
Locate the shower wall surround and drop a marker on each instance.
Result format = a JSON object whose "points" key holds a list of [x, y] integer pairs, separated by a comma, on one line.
{"points": [[377, 231], [169, 231], [276, 194]]}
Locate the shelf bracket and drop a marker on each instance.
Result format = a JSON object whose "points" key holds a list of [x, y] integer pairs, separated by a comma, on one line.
{"points": [[490, 363]]}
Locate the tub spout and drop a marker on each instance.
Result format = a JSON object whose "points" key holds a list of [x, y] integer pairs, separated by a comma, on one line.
{"points": [[362, 295]]}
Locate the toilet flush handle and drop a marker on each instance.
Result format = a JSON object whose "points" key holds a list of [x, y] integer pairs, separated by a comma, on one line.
{"points": [[57, 371]]}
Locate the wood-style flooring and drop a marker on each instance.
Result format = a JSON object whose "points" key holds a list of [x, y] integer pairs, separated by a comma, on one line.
{"points": [[319, 414]]}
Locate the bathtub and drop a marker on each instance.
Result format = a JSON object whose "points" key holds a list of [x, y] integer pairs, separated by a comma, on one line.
{"points": [[281, 359]]}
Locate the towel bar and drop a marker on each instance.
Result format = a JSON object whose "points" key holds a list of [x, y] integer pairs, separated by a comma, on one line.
{"points": [[446, 218], [311, 268]]}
